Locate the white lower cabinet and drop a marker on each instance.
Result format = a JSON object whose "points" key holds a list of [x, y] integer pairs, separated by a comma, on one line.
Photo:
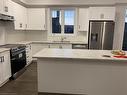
{"points": [[61, 46], [36, 47], [66, 46], [5, 67]]}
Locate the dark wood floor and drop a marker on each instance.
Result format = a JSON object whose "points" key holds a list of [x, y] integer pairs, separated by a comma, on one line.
{"points": [[26, 84]]}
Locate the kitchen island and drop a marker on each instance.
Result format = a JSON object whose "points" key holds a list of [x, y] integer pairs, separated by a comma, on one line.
{"points": [[85, 72]]}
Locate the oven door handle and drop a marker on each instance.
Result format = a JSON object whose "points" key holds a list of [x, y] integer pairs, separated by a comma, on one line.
{"points": [[13, 59]]}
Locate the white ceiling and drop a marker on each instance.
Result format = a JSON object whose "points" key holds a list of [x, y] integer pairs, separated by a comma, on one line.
{"points": [[82, 2]]}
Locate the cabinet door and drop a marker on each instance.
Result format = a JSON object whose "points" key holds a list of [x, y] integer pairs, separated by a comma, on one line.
{"points": [[1, 6], [1, 71], [83, 19], [37, 47], [36, 19], [55, 46], [102, 13], [67, 46], [9, 7], [24, 17], [20, 15], [6, 65]]}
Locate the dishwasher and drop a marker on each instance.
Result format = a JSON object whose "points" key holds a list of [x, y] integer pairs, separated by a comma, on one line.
{"points": [[79, 46]]}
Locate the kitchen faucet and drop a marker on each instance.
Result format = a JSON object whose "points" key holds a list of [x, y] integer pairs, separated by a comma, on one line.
{"points": [[63, 38]]}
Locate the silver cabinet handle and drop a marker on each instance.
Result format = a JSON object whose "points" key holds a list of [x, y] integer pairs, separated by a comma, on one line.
{"points": [[79, 26], [44, 26], [20, 25], [3, 58], [6, 9]]}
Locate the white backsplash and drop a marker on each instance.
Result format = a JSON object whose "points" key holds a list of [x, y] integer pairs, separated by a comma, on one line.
{"points": [[2, 33], [8, 34], [36, 36], [80, 36]]}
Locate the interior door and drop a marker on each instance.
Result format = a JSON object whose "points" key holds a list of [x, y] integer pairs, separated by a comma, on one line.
{"points": [[95, 35]]}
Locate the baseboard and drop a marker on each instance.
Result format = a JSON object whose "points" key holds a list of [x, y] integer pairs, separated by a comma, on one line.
{"points": [[4, 82], [47, 93]]}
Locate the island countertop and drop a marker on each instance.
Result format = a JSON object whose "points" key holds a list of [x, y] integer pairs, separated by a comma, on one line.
{"points": [[77, 54]]}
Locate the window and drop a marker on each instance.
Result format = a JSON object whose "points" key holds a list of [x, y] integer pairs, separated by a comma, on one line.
{"points": [[56, 21], [63, 21]]}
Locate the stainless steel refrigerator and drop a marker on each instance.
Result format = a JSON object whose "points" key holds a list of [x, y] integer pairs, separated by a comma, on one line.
{"points": [[101, 35]]}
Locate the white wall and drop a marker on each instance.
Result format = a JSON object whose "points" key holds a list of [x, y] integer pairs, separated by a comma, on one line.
{"points": [[36, 35], [8, 34], [119, 28]]}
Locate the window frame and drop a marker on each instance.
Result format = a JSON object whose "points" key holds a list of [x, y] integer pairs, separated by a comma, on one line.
{"points": [[62, 22]]}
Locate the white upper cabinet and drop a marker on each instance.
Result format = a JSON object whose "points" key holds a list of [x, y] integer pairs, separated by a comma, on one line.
{"points": [[9, 8], [102, 13], [6, 7], [83, 19], [20, 15], [36, 19], [2, 6]]}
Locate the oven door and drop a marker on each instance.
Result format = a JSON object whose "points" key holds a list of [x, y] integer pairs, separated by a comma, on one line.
{"points": [[18, 61]]}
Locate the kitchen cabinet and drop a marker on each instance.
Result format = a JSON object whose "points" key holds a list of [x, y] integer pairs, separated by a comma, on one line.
{"points": [[36, 47], [5, 67], [83, 19], [102, 13], [36, 19], [9, 8], [55, 46], [1, 6], [20, 15], [60, 46], [28, 53], [6, 7]]}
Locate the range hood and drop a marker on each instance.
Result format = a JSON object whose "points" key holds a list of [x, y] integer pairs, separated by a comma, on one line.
{"points": [[6, 17]]}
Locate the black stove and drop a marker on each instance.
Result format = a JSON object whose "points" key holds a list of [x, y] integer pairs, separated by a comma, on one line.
{"points": [[18, 58]]}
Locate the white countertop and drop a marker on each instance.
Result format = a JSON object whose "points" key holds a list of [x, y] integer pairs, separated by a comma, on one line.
{"points": [[4, 49], [51, 42], [76, 54]]}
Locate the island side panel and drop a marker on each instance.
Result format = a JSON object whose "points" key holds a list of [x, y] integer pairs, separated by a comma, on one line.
{"points": [[90, 77]]}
